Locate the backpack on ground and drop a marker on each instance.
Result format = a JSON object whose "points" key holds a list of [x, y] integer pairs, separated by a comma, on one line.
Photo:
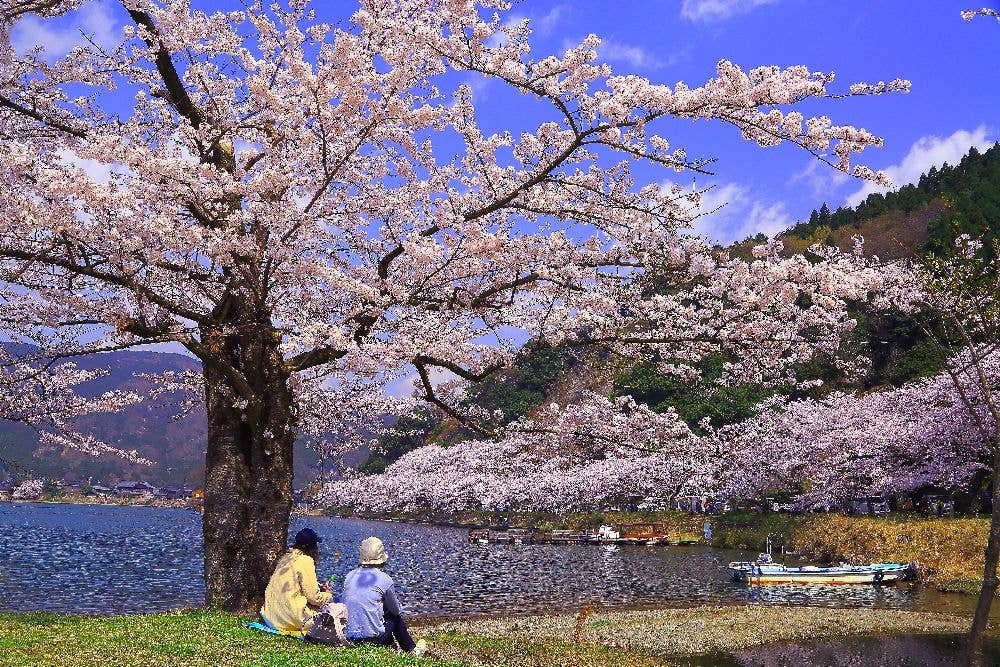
{"points": [[328, 625]]}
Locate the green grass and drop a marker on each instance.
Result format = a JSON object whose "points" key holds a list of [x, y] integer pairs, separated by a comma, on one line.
{"points": [[193, 638], [203, 638]]}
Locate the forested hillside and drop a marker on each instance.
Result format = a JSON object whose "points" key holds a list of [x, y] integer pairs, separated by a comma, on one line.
{"points": [[926, 216], [918, 218]]}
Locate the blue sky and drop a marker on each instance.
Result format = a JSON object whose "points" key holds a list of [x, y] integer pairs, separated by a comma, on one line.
{"points": [[953, 65]]}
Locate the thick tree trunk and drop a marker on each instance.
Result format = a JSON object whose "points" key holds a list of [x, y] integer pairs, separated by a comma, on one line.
{"points": [[989, 588], [248, 474]]}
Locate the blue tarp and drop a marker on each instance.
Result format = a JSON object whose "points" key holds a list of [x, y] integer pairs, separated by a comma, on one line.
{"points": [[256, 625]]}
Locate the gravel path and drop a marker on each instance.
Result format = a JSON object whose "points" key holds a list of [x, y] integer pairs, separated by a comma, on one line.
{"points": [[696, 630]]}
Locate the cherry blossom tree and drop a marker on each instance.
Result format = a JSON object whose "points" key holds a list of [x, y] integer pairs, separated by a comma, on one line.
{"points": [[29, 489], [303, 205]]}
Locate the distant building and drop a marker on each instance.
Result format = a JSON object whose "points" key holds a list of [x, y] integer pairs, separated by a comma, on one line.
{"points": [[135, 489], [173, 493], [100, 490]]}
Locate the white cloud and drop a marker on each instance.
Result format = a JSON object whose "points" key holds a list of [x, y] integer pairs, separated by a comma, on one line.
{"points": [[404, 387], [739, 215], [634, 56], [479, 85], [540, 25], [820, 177], [926, 152], [98, 172], [544, 25], [718, 10], [59, 36]]}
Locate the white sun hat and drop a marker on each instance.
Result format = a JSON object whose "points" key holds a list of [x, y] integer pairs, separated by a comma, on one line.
{"points": [[373, 552]]}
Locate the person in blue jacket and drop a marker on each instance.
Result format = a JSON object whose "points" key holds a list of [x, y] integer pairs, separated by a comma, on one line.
{"points": [[374, 614]]}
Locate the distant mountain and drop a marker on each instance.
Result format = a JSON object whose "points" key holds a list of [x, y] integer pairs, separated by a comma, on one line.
{"points": [[174, 442]]}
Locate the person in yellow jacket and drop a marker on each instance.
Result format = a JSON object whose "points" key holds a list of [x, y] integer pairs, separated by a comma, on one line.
{"points": [[293, 594]]}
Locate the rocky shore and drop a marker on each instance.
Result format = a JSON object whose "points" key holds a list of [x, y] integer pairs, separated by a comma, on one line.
{"points": [[658, 636]]}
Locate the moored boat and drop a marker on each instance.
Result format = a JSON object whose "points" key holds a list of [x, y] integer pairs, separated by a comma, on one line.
{"points": [[765, 571], [649, 534]]}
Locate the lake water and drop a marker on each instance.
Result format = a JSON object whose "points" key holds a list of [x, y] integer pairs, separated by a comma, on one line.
{"points": [[114, 560]]}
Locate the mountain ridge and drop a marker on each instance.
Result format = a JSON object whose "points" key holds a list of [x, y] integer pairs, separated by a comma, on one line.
{"points": [[175, 442]]}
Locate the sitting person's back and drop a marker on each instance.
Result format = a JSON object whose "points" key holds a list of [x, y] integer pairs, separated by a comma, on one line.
{"points": [[374, 615], [293, 594], [369, 594]]}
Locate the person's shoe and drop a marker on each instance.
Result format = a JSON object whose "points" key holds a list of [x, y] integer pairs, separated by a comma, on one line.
{"points": [[421, 648]]}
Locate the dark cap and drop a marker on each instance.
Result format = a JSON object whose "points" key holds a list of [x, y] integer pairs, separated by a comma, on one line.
{"points": [[307, 537]]}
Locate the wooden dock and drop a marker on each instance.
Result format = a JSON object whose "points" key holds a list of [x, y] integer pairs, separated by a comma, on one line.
{"points": [[641, 534]]}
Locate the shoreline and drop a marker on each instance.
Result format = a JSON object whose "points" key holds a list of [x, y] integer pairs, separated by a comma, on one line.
{"points": [[104, 502], [417, 619], [948, 552]]}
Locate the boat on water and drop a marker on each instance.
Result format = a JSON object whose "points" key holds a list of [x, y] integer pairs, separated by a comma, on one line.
{"points": [[765, 571]]}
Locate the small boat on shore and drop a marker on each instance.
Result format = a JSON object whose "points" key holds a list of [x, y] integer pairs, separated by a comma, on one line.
{"points": [[765, 571]]}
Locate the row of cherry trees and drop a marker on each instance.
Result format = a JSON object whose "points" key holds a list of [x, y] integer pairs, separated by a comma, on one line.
{"points": [[602, 452]]}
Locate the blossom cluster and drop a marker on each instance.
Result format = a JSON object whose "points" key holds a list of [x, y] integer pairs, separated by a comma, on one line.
{"points": [[587, 455], [883, 441], [46, 396], [29, 489]]}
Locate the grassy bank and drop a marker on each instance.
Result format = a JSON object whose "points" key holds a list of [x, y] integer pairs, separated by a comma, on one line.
{"points": [[949, 551], [199, 638], [190, 639]]}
